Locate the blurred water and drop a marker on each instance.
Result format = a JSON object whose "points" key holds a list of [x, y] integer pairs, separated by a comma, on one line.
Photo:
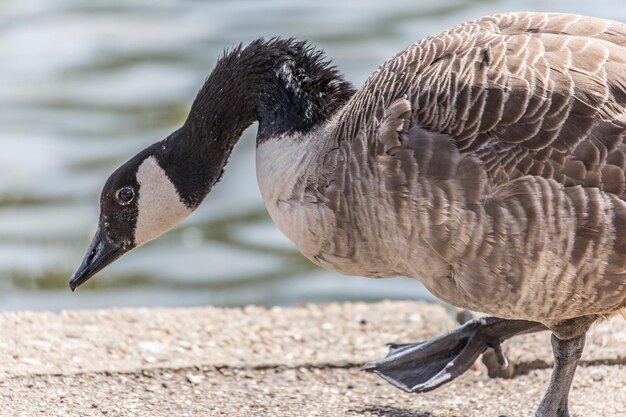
{"points": [[84, 85]]}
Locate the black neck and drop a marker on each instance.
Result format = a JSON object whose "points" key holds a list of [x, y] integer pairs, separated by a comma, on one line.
{"points": [[285, 85]]}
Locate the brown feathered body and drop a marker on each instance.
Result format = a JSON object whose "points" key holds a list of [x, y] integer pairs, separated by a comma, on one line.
{"points": [[487, 161]]}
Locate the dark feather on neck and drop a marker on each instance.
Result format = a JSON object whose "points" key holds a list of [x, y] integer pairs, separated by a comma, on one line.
{"points": [[286, 85]]}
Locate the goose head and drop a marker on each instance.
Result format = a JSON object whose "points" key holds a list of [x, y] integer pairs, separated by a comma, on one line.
{"points": [[285, 85], [138, 203]]}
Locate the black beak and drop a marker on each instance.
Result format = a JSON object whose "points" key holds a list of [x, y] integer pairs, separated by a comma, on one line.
{"points": [[100, 253]]}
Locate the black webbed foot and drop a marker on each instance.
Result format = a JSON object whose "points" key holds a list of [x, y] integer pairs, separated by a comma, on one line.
{"points": [[424, 366]]}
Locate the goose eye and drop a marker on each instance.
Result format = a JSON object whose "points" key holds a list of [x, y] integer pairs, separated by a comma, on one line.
{"points": [[125, 195]]}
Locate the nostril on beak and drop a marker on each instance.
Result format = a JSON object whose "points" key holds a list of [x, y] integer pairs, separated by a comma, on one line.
{"points": [[91, 254]]}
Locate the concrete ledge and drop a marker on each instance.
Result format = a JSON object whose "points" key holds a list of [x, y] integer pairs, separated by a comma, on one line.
{"points": [[271, 362], [126, 340]]}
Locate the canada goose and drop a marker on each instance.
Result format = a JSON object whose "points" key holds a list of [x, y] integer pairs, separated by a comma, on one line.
{"points": [[487, 161]]}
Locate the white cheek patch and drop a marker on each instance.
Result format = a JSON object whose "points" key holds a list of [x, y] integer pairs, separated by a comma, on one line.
{"points": [[159, 205]]}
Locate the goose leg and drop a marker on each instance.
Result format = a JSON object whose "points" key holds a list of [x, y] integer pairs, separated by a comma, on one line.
{"points": [[566, 356], [491, 359], [422, 367]]}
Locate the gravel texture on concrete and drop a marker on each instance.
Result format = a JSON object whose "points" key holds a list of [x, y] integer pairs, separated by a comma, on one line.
{"points": [[257, 361], [302, 391]]}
